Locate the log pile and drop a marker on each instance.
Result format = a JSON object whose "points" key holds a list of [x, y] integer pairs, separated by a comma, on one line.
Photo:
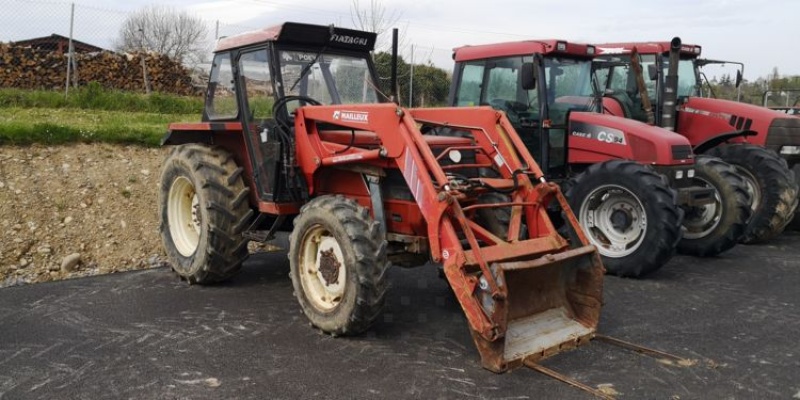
{"points": [[28, 68]]}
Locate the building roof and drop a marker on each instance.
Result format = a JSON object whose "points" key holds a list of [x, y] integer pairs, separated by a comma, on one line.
{"points": [[57, 42]]}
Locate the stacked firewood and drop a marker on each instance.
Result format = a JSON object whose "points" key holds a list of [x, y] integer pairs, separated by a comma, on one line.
{"points": [[29, 68]]}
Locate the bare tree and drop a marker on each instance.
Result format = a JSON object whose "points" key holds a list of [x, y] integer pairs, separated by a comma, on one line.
{"points": [[167, 31], [374, 17]]}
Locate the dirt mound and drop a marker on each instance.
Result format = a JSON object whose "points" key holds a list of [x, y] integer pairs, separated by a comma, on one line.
{"points": [[77, 210]]}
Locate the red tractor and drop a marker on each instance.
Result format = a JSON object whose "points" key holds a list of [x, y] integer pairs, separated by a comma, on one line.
{"points": [[762, 144], [296, 137], [629, 182]]}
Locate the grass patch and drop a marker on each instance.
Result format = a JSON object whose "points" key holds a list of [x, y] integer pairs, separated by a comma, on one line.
{"points": [[94, 97], [51, 126]]}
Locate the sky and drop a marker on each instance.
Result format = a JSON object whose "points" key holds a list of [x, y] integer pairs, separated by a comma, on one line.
{"points": [[762, 34]]}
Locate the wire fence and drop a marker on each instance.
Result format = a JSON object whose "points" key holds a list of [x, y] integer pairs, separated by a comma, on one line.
{"points": [[61, 45], [48, 44]]}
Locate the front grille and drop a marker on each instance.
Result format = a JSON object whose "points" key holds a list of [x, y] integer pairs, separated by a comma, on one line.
{"points": [[681, 152], [783, 132]]}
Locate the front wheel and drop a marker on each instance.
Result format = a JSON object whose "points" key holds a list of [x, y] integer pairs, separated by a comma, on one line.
{"points": [[713, 228], [771, 185], [629, 213], [338, 264]]}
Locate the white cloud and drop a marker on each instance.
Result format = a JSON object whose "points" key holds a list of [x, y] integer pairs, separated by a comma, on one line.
{"points": [[231, 11]]}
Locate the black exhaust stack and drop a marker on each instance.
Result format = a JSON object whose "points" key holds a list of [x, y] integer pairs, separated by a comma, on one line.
{"points": [[671, 86], [394, 67]]}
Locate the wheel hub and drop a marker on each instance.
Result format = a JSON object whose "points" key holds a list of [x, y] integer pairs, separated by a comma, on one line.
{"points": [[329, 267], [184, 216], [614, 219], [752, 187], [323, 272], [621, 219], [699, 222]]}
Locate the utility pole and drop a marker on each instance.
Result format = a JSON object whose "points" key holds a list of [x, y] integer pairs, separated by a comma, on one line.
{"points": [[144, 64], [411, 80], [70, 49]]}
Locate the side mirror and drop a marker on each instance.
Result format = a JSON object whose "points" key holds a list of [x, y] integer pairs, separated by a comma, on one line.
{"points": [[652, 72], [528, 76], [738, 78]]}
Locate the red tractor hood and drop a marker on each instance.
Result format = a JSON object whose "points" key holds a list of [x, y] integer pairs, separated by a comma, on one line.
{"points": [[597, 137], [700, 118]]}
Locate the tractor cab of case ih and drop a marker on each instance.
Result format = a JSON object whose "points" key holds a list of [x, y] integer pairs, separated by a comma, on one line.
{"points": [[620, 176], [762, 144], [296, 137]]}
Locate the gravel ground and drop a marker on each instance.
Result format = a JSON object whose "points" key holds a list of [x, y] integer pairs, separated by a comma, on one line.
{"points": [[80, 210]]}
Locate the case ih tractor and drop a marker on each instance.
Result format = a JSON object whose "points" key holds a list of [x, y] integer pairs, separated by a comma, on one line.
{"points": [[746, 136], [296, 137], [621, 176]]}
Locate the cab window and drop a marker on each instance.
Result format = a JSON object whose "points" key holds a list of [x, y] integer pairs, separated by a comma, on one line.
{"points": [[221, 100], [257, 83]]}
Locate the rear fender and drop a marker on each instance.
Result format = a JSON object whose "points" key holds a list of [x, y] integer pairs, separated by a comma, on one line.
{"points": [[227, 135]]}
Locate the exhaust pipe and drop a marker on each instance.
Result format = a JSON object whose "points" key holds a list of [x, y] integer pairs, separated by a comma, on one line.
{"points": [[671, 86]]}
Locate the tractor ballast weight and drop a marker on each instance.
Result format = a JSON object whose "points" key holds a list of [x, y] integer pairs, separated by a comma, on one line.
{"points": [[365, 187]]}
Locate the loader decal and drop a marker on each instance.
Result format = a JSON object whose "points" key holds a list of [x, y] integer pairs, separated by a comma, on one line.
{"points": [[351, 116]]}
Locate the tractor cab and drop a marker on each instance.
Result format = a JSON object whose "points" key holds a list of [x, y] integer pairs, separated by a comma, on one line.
{"points": [[612, 70], [536, 83], [259, 79], [548, 92]]}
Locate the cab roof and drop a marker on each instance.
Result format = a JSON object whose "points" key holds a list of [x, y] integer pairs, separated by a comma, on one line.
{"points": [[525, 47], [295, 33]]}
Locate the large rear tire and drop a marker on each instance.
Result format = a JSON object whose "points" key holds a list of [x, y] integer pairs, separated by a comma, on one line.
{"points": [[629, 213], [204, 208], [714, 228], [338, 265], [771, 184]]}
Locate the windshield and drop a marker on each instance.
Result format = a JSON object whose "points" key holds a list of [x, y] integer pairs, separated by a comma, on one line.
{"points": [[687, 77], [568, 86], [333, 79]]}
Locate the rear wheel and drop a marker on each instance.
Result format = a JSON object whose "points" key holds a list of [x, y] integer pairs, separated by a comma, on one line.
{"points": [[629, 213], [771, 185], [338, 265], [710, 229], [204, 209]]}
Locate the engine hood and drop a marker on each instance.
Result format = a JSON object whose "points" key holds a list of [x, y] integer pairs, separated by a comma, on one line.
{"points": [[702, 118], [596, 137]]}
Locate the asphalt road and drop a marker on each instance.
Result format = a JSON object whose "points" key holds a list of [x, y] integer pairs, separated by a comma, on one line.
{"points": [[147, 335]]}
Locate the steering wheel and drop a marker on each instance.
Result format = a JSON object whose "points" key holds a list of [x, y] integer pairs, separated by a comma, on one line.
{"points": [[510, 108]]}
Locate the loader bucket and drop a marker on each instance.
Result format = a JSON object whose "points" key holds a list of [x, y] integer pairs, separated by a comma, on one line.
{"points": [[548, 292], [553, 304]]}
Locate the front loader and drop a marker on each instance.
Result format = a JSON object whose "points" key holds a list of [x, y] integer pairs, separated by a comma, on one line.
{"points": [[296, 137]]}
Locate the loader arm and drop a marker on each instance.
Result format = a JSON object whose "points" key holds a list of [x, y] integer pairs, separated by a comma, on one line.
{"points": [[513, 289]]}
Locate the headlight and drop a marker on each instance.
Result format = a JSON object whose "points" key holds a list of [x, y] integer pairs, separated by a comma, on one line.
{"points": [[679, 174], [690, 173], [790, 150], [455, 156]]}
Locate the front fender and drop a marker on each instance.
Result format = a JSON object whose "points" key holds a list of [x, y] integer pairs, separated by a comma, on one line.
{"points": [[717, 140]]}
